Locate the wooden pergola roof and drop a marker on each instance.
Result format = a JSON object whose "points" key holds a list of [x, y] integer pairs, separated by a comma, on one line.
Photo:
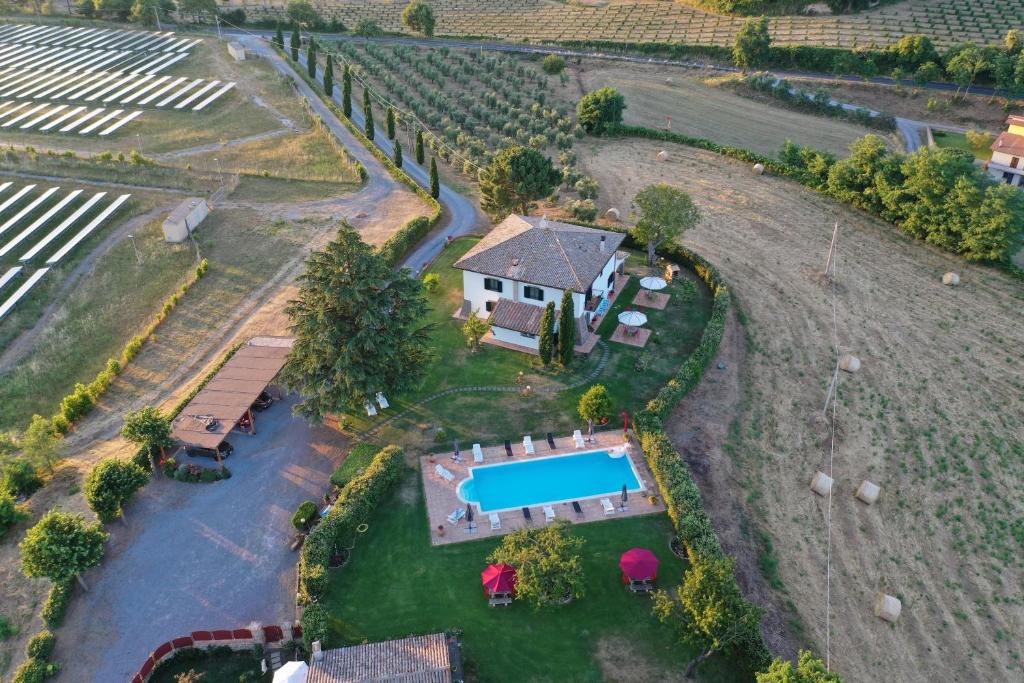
{"points": [[231, 392]]}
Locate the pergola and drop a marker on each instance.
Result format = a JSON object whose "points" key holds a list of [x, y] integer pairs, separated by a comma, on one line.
{"points": [[216, 410]]}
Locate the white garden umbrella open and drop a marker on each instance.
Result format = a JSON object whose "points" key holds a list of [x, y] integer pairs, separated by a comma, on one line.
{"points": [[653, 282], [632, 318], [292, 672]]}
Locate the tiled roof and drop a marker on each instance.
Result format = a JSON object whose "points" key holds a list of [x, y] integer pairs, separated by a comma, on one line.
{"points": [[1009, 143], [514, 315], [1015, 120], [543, 252], [418, 659]]}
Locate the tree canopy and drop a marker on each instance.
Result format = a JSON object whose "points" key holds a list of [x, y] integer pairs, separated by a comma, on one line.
{"points": [[148, 428], [40, 444], [302, 13], [553, 65], [666, 212], [474, 330], [110, 484], [358, 328], [548, 565], [596, 404], [515, 177], [61, 546], [599, 109], [418, 16], [753, 42], [809, 669]]}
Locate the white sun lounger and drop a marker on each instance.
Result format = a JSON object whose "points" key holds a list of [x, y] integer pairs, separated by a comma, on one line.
{"points": [[370, 410], [549, 513], [444, 472], [609, 509], [528, 445], [577, 437], [456, 515], [478, 453], [495, 521], [381, 401]]}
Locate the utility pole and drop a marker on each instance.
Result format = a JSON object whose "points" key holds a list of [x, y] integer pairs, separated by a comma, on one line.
{"points": [[216, 18], [138, 256], [830, 261], [156, 13]]}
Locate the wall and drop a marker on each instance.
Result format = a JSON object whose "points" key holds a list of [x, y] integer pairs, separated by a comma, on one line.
{"points": [[512, 337], [473, 290]]}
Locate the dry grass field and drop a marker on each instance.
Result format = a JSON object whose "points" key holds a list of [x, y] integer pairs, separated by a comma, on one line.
{"points": [[654, 93], [935, 417]]}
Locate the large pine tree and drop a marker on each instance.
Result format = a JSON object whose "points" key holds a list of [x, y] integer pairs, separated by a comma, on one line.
{"points": [[358, 329], [367, 113], [346, 92], [566, 329]]}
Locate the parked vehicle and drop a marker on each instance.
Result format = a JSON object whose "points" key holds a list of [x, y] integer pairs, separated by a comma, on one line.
{"points": [[224, 449], [263, 401]]}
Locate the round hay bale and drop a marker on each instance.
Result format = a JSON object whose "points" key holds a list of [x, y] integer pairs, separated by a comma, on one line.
{"points": [[849, 363], [662, 155], [821, 484], [887, 607], [669, 80], [951, 279], [868, 492], [759, 168], [612, 214]]}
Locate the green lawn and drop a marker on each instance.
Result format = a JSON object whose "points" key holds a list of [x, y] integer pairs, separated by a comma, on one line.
{"points": [[397, 584], [959, 141], [493, 417], [214, 667]]}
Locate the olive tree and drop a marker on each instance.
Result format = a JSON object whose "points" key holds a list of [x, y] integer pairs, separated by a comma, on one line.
{"points": [[666, 212]]}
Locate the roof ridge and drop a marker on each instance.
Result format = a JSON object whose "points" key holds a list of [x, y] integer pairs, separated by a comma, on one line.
{"points": [[572, 268]]}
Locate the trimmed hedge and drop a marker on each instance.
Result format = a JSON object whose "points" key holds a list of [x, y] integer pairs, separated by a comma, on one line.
{"points": [[315, 626], [41, 645], [56, 605], [361, 495]]}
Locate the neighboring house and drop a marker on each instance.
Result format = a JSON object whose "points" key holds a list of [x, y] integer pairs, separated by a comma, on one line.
{"points": [[524, 262], [432, 658], [1007, 153]]}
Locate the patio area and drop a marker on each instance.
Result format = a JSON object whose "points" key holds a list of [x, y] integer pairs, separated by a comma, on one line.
{"points": [[442, 498]]}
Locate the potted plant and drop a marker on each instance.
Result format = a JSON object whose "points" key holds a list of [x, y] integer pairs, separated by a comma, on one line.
{"points": [[440, 530]]}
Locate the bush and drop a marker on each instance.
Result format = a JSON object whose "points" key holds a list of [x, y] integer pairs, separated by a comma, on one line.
{"points": [[56, 605], [35, 671], [305, 515], [584, 209], [431, 281], [9, 512], [553, 65], [19, 477], [368, 28], [315, 626], [357, 460], [41, 645], [110, 484]]}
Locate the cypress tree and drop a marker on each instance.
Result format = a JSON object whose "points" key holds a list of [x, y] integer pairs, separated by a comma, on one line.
{"points": [[547, 333], [419, 147], [279, 37], [367, 113], [295, 43], [391, 123], [435, 184], [329, 76], [311, 58], [566, 329], [346, 92], [398, 154]]}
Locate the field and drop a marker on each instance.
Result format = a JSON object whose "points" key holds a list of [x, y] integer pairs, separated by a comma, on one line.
{"points": [[655, 93], [397, 584], [632, 375], [933, 416], [945, 21]]}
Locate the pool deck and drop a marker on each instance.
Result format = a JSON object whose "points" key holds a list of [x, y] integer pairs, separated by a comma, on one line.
{"points": [[442, 499]]}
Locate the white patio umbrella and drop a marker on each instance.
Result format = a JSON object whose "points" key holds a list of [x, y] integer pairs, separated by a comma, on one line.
{"points": [[292, 672], [653, 282], [632, 318]]}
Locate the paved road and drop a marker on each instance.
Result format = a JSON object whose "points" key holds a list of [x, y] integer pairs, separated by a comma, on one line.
{"points": [[201, 556], [461, 216]]}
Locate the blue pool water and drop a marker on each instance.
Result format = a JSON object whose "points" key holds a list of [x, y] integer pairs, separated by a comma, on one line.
{"points": [[540, 481], [603, 307]]}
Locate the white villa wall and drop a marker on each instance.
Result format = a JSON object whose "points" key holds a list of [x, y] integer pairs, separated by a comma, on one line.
{"points": [[600, 285], [474, 292], [513, 337]]}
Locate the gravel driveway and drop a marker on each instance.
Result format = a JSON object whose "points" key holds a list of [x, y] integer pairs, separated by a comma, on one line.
{"points": [[200, 556]]}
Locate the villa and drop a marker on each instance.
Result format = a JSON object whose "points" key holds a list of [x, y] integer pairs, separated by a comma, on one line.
{"points": [[1007, 152], [525, 262]]}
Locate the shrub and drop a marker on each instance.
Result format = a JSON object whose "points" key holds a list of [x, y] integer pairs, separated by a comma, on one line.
{"points": [[431, 281], [599, 109], [56, 605], [19, 477], [110, 484], [584, 209], [368, 28], [35, 671], [315, 626], [9, 512], [357, 460], [553, 65], [305, 515], [41, 645]]}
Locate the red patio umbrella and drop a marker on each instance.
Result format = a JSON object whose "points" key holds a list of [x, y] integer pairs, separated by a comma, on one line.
{"points": [[499, 578], [639, 564]]}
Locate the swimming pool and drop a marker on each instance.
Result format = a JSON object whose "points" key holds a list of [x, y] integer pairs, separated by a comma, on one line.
{"points": [[555, 479]]}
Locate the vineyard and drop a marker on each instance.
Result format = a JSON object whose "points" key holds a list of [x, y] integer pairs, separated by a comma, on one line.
{"points": [[947, 22]]}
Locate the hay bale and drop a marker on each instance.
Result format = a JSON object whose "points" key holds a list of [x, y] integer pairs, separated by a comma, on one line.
{"points": [[867, 492], [849, 363], [951, 279], [887, 607], [759, 168], [821, 484], [668, 80], [662, 155], [612, 214]]}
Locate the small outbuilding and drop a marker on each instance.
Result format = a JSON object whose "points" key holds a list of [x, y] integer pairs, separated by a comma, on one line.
{"points": [[432, 658], [185, 218], [236, 51]]}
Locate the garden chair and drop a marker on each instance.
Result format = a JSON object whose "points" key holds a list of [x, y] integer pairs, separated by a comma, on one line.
{"points": [[478, 453], [549, 514], [495, 521], [528, 445], [609, 509]]}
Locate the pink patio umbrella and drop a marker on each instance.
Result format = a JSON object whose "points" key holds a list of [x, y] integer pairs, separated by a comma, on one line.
{"points": [[499, 578], [638, 564]]}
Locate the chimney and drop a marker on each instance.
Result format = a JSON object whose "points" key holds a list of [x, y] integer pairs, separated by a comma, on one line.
{"points": [[602, 244], [543, 221], [318, 653]]}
